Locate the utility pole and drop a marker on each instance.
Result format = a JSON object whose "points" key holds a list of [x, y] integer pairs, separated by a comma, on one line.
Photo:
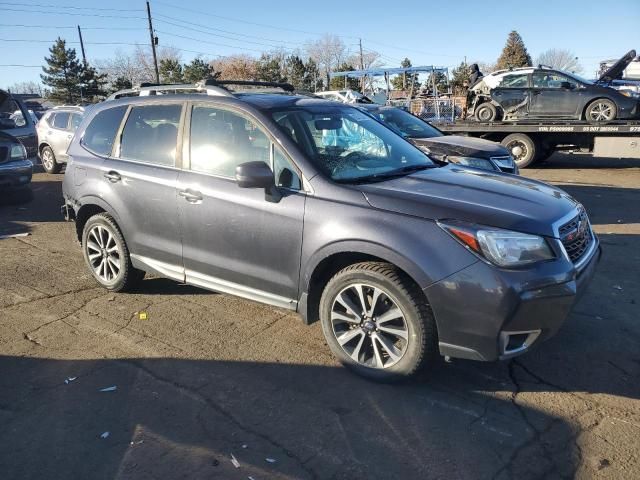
{"points": [[84, 57], [362, 79], [154, 40]]}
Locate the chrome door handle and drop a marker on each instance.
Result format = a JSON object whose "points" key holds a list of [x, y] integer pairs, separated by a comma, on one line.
{"points": [[190, 196], [112, 176]]}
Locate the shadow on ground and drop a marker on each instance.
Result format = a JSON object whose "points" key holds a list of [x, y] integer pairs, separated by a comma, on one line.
{"points": [[172, 418]]}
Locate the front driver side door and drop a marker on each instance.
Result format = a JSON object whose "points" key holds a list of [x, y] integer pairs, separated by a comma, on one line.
{"points": [[554, 95], [238, 240]]}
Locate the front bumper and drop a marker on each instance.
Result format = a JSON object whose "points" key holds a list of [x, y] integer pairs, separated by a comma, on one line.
{"points": [[15, 174], [479, 309]]}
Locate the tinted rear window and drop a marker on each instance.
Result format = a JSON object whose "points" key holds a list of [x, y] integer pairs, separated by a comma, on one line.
{"points": [[61, 120], [99, 135]]}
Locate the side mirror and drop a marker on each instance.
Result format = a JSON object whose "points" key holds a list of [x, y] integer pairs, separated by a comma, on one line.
{"points": [[567, 85], [254, 175]]}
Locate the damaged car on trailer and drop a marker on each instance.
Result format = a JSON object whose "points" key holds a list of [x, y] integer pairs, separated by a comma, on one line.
{"points": [[544, 93]]}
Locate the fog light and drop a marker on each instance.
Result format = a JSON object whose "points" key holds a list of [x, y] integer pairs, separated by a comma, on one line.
{"points": [[514, 343]]}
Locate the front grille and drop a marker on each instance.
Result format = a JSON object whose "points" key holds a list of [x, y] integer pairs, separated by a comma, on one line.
{"points": [[576, 236]]}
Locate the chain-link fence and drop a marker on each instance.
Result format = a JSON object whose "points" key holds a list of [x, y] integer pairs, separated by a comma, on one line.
{"points": [[440, 110]]}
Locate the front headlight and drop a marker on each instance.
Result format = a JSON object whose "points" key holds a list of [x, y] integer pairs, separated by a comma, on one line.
{"points": [[18, 152], [470, 162], [503, 248]]}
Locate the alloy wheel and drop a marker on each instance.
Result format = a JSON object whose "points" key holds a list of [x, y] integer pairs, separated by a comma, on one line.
{"points": [[601, 112], [369, 326], [47, 159], [104, 253]]}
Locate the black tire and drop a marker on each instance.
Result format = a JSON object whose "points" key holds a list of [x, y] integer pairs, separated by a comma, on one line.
{"points": [[421, 345], [522, 147], [486, 112], [127, 277], [601, 111], [49, 162]]}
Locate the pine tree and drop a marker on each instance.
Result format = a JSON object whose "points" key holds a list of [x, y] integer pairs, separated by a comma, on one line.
{"points": [[268, 69], [198, 70], [170, 71], [460, 78], [312, 76], [296, 72], [514, 54], [403, 82], [120, 83], [62, 73], [441, 82], [338, 83], [92, 83]]}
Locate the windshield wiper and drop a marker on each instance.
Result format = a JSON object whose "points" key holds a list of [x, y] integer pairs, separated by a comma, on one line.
{"points": [[399, 172]]}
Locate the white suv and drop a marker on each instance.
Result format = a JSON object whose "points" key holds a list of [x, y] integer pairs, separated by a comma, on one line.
{"points": [[55, 131]]}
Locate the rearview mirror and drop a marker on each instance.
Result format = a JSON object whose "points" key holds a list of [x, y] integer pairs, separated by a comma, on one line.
{"points": [[254, 175], [328, 124]]}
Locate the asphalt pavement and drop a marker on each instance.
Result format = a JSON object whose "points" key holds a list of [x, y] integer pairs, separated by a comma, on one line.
{"points": [[210, 386]]}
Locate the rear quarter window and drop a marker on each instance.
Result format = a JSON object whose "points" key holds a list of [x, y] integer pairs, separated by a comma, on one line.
{"points": [[99, 135]]}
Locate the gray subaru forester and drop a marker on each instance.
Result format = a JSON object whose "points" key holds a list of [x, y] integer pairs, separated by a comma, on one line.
{"points": [[316, 207]]}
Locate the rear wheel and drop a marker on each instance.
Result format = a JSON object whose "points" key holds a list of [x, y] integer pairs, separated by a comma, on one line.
{"points": [[377, 322], [522, 147], [107, 255], [601, 111], [486, 112], [49, 162]]}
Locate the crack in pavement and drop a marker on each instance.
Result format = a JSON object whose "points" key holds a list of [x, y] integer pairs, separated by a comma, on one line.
{"points": [[47, 297], [194, 394]]}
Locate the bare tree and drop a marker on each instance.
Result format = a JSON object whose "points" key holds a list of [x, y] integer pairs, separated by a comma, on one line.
{"points": [[26, 87], [560, 59], [370, 59], [327, 52], [235, 67], [137, 67]]}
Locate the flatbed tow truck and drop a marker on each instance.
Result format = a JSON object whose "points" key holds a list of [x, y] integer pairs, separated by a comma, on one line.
{"points": [[533, 142]]}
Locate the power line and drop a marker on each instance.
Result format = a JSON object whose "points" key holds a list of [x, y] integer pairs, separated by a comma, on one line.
{"points": [[20, 40], [66, 26], [19, 65], [73, 14], [210, 43], [162, 17], [22, 4]]}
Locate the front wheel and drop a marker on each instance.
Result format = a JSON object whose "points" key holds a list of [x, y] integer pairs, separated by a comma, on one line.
{"points": [[377, 322], [601, 111], [107, 256]]}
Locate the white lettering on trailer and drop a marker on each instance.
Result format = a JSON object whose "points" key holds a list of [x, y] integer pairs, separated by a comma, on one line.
{"points": [[556, 129], [634, 129], [600, 129]]}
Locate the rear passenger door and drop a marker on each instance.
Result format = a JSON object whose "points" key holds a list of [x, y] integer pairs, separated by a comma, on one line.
{"points": [[140, 182], [513, 93], [59, 135], [236, 240]]}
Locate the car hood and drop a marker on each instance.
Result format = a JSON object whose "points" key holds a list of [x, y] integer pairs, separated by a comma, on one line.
{"points": [[615, 71], [462, 146], [457, 193]]}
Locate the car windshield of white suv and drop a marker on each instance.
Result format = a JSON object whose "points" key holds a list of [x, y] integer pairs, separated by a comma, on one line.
{"points": [[409, 126], [349, 145]]}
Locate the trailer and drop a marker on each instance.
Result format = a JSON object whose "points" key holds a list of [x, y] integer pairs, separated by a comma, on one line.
{"points": [[532, 142]]}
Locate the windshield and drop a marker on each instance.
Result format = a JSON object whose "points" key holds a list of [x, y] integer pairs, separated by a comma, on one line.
{"points": [[578, 77], [349, 145], [406, 124]]}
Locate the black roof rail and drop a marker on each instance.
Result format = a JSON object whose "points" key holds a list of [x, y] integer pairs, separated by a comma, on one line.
{"points": [[287, 87]]}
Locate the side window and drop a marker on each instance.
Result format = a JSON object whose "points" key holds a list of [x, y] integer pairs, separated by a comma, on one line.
{"points": [[76, 118], [286, 175], [222, 140], [98, 136], [514, 81], [549, 80], [61, 120], [151, 134]]}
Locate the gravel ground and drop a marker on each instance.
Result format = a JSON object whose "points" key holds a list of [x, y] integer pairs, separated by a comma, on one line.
{"points": [[208, 376]]}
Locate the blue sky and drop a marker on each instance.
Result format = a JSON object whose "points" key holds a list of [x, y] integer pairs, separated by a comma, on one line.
{"points": [[429, 33]]}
